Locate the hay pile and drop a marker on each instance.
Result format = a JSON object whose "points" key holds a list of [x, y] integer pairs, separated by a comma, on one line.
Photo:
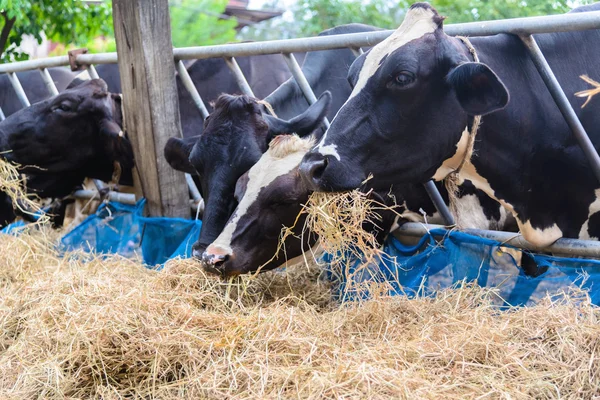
{"points": [[88, 327]]}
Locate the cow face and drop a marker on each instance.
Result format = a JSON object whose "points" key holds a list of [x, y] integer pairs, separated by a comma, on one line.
{"points": [[74, 134], [270, 197], [413, 96], [235, 136]]}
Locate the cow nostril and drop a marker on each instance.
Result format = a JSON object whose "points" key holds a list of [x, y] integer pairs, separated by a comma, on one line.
{"points": [[214, 260], [317, 168]]}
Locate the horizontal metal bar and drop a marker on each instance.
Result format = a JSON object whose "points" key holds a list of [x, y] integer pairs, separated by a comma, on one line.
{"points": [[97, 58], [518, 26], [35, 64], [565, 247], [188, 84], [126, 198], [302, 82], [530, 25], [16, 84]]}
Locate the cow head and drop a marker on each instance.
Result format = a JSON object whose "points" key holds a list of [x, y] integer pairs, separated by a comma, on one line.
{"points": [[270, 197], [74, 134], [413, 95], [235, 136]]}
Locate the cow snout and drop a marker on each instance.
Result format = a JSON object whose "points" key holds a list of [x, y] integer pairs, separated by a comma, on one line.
{"points": [[214, 259], [312, 168]]}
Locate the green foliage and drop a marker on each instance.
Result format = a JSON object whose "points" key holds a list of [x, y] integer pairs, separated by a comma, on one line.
{"points": [[196, 22], [313, 16], [62, 21]]}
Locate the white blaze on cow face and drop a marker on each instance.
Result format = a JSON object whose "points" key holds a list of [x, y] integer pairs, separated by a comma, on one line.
{"points": [[284, 154], [418, 22]]}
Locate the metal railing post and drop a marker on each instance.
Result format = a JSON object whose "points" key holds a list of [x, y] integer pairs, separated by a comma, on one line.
{"points": [[301, 80], [562, 102], [357, 51], [92, 71], [439, 203], [48, 81], [191, 88], [16, 84], [239, 76]]}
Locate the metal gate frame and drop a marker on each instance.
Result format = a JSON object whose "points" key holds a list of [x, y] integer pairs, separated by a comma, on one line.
{"points": [[522, 27]]}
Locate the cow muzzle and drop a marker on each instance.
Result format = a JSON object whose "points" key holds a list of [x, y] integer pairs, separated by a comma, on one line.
{"points": [[312, 168], [214, 259]]}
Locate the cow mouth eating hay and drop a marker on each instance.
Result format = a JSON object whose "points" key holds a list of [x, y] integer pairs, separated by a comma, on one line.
{"points": [[339, 219], [12, 184]]}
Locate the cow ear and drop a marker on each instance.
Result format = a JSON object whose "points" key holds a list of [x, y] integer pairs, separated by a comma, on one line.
{"points": [[240, 186], [177, 153], [305, 123], [478, 88], [116, 144]]}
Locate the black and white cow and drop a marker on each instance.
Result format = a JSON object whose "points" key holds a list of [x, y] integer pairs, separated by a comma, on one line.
{"points": [[270, 198], [229, 147], [414, 100]]}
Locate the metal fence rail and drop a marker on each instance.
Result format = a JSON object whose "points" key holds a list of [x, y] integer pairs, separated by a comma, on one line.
{"points": [[524, 27]]}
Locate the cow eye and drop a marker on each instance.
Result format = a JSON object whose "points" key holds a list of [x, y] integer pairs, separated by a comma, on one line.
{"points": [[404, 78], [63, 107]]}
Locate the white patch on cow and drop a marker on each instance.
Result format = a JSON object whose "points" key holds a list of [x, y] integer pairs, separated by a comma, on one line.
{"points": [[417, 23], [273, 164], [84, 76], [330, 149], [471, 212], [538, 237], [594, 208]]}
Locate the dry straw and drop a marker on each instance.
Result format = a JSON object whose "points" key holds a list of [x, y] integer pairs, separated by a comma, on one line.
{"points": [[12, 183], [82, 326], [589, 93]]}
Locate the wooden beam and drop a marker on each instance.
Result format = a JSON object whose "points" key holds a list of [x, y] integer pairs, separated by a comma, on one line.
{"points": [[143, 35]]}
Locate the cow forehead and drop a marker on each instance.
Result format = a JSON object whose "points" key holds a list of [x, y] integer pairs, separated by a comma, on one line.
{"points": [[417, 23], [260, 176]]}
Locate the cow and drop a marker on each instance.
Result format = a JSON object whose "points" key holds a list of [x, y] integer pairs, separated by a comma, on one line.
{"points": [[221, 159], [235, 136], [270, 198], [33, 86], [60, 141], [415, 100]]}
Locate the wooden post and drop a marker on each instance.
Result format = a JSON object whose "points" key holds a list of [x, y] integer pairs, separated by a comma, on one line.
{"points": [[147, 69]]}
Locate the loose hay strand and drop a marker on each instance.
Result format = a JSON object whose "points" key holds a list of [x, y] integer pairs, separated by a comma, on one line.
{"points": [[589, 93]]}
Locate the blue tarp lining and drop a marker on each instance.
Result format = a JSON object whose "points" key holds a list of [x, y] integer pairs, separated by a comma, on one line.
{"points": [[423, 268]]}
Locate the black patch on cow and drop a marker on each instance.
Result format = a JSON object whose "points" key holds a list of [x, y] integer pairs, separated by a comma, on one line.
{"points": [[594, 225], [530, 267]]}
